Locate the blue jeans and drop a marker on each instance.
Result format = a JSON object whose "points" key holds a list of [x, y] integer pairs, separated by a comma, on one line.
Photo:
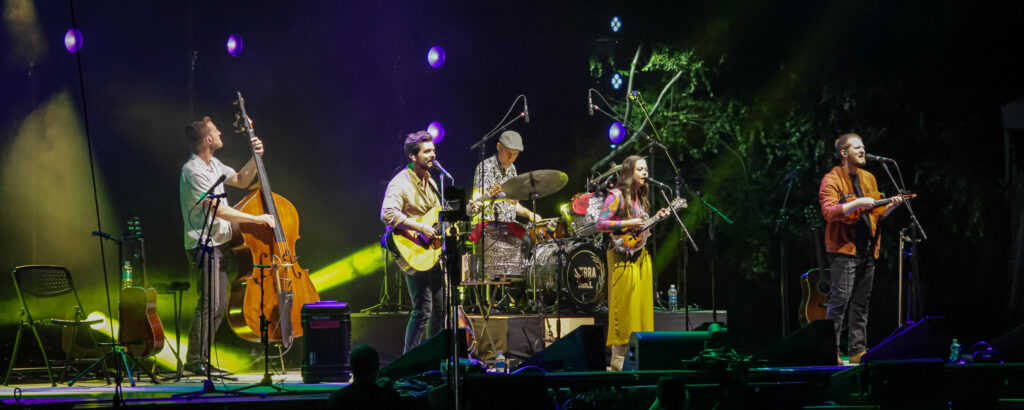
{"points": [[426, 289], [851, 278]]}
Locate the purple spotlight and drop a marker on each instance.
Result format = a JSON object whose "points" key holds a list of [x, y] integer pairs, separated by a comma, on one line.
{"points": [[435, 56], [616, 133], [235, 45], [436, 130], [73, 40]]}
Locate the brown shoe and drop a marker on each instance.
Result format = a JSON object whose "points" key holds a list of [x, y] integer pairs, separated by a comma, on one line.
{"points": [[855, 358], [839, 360]]}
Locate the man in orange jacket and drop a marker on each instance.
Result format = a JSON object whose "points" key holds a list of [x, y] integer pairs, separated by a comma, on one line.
{"points": [[847, 196]]}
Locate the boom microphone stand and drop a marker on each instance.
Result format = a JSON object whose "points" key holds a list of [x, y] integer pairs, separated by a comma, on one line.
{"points": [[204, 253], [916, 236]]}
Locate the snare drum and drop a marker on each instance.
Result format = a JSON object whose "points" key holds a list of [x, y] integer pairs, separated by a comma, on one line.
{"points": [[583, 275]]}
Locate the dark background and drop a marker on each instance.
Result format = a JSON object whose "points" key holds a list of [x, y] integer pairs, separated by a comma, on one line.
{"points": [[333, 87]]}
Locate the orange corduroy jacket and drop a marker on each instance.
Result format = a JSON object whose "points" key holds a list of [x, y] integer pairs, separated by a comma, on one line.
{"points": [[837, 189]]}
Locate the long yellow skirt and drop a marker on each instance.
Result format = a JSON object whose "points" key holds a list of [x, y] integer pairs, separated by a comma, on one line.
{"points": [[630, 296]]}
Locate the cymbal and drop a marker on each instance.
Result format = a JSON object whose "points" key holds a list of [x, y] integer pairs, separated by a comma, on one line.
{"points": [[610, 171], [540, 183]]}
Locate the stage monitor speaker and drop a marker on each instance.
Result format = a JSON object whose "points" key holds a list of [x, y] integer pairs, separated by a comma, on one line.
{"points": [[580, 350], [327, 327], [900, 384], [811, 345], [928, 338], [667, 350], [425, 357]]}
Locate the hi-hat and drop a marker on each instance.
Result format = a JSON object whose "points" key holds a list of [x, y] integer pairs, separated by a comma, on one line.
{"points": [[534, 184]]}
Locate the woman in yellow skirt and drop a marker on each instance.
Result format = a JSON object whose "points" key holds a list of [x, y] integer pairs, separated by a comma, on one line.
{"points": [[630, 284]]}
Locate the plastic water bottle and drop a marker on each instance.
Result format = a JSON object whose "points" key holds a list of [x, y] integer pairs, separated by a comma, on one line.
{"points": [[954, 352], [500, 365], [126, 275], [673, 298]]}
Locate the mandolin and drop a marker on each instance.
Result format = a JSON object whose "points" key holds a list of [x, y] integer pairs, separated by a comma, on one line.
{"points": [[879, 205], [634, 239]]}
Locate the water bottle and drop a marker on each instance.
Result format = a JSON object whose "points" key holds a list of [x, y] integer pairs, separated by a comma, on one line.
{"points": [[500, 366], [126, 275], [673, 298], [954, 352]]}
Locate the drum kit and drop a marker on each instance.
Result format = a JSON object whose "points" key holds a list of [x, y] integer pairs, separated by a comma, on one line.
{"points": [[557, 261]]}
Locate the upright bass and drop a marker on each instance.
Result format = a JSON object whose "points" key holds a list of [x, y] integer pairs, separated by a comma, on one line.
{"points": [[267, 257]]}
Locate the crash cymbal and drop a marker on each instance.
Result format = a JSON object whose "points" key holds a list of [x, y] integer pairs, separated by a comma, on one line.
{"points": [[610, 171], [540, 183]]}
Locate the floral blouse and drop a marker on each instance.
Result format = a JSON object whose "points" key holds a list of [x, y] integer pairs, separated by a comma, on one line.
{"points": [[608, 220]]}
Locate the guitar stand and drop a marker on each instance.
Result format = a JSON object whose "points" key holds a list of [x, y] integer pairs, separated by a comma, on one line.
{"points": [[121, 354]]}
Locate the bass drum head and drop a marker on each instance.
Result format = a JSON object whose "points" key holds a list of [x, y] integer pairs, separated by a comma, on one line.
{"points": [[585, 277]]}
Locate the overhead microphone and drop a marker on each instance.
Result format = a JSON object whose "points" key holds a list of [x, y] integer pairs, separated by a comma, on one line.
{"points": [[526, 110], [878, 158], [590, 102]]}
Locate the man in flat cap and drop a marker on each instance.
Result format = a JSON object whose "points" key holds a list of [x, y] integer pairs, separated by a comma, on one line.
{"points": [[500, 213]]}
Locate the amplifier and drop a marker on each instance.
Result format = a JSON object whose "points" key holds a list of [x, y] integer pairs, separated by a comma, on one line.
{"points": [[327, 326]]}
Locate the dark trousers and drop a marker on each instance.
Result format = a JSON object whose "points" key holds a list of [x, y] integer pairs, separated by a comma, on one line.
{"points": [[426, 289], [851, 278], [198, 349]]}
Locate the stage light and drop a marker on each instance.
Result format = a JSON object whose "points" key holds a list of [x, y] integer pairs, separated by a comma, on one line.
{"points": [[616, 81], [435, 56], [73, 40], [234, 45], [436, 130], [616, 133], [616, 24]]}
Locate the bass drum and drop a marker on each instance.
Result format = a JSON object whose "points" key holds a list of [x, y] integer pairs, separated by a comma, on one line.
{"points": [[583, 277]]}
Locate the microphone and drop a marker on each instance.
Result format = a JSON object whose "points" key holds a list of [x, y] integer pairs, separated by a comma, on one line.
{"points": [[658, 183], [634, 95], [103, 235], [590, 102], [878, 158], [209, 192], [445, 171], [526, 113], [790, 175]]}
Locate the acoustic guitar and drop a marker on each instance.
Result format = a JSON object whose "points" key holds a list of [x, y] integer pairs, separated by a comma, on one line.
{"points": [[634, 239], [416, 251], [139, 320]]}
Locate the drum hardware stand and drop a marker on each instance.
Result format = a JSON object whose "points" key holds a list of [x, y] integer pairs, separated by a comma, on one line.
{"points": [[780, 229]]}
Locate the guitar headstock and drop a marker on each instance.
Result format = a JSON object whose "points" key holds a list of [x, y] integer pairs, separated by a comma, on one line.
{"points": [[134, 227]]}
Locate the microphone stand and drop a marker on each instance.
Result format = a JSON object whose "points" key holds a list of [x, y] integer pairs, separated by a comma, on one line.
{"points": [[780, 223], [651, 143], [204, 253], [480, 145], [917, 235]]}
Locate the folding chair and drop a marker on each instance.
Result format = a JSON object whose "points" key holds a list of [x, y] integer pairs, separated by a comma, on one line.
{"points": [[47, 284]]}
